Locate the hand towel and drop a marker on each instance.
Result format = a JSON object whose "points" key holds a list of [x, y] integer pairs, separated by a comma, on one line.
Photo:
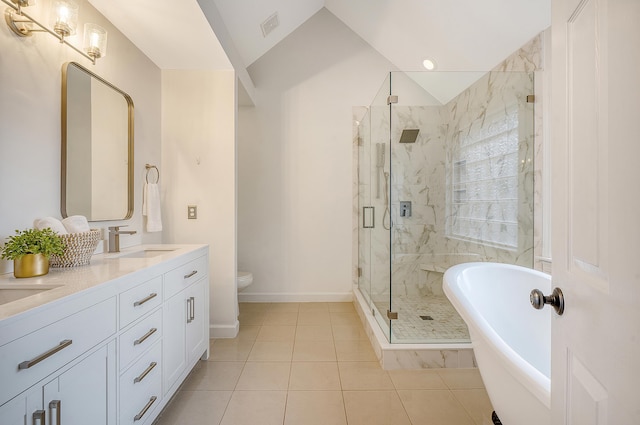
{"points": [[76, 224], [51, 223], [151, 206]]}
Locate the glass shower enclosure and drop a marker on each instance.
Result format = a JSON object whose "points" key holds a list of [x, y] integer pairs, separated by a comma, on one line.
{"points": [[445, 176]]}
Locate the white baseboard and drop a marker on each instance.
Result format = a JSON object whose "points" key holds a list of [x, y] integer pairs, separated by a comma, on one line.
{"points": [[224, 331], [286, 297]]}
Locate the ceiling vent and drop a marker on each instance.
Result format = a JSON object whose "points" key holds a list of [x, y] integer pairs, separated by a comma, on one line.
{"points": [[269, 24]]}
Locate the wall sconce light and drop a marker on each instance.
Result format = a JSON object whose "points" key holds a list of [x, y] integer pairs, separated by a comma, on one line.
{"points": [[64, 21]]}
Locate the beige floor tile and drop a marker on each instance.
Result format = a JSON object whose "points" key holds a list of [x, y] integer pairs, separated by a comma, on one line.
{"points": [[422, 379], [461, 379], [359, 351], [229, 350], [314, 318], [276, 333], [285, 307], [364, 376], [434, 407], [345, 318], [265, 376], [195, 408], [315, 408], [374, 408], [248, 332], [349, 333], [286, 318], [477, 404], [271, 351], [304, 307], [252, 307], [346, 307], [255, 407], [314, 376], [314, 351], [252, 317], [314, 333], [214, 376]]}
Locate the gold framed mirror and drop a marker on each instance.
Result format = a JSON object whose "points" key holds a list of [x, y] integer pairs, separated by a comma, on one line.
{"points": [[97, 147]]}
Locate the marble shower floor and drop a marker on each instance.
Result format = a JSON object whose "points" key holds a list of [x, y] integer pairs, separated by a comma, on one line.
{"points": [[311, 363], [443, 324]]}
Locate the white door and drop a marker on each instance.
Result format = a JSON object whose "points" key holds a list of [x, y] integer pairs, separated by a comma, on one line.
{"points": [[596, 211]]}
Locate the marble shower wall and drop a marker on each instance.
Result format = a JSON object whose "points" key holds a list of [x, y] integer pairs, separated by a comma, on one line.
{"points": [[419, 173]]}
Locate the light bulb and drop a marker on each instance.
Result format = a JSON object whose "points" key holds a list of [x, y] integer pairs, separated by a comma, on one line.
{"points": [[429, 64]]}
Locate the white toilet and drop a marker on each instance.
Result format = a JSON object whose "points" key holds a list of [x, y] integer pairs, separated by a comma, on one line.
{"points": [[244, 279]]}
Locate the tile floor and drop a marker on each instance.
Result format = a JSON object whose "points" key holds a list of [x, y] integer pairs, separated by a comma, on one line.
{"points": [[446, 325], [311, 363]]}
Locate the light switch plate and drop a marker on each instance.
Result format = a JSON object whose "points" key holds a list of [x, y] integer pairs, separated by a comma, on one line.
{"points": [[192, 212]]}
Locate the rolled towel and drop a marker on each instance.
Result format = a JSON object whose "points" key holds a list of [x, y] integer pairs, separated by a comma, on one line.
{"points": [[50, 223], [76, 224], [151, 206]]}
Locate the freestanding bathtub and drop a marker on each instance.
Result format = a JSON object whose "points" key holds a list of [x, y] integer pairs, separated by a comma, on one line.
{"points": [[511, 340]]}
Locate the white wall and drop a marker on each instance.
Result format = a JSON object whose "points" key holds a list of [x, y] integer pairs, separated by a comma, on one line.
{"points": [[30, 107], [295, 162], [199, 168]]}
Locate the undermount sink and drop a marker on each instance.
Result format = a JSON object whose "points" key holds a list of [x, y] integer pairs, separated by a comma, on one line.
{"points": [[146, 253], [17, 292]]}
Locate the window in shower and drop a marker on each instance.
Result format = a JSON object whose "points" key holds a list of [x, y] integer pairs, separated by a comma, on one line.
{"points": [[483, 191]]}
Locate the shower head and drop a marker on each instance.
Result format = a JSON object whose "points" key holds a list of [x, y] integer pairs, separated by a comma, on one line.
{"points": [[409, 135]]}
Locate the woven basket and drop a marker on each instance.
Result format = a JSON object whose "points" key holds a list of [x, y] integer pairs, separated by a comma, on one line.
{"points": [[79, 248]]}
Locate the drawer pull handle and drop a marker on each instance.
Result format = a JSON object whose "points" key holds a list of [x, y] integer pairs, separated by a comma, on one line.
{"points": [[28, 363], [187, 276], [39, 417], [145, 408], [54, 405], [145, 373], [188, 310], [145, 336], [144, 300]]}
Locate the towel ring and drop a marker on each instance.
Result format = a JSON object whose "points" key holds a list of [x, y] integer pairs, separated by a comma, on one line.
{"points": [[150, 167]]}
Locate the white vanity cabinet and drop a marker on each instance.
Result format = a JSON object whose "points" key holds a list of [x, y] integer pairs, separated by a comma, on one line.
{"points": [[83, 393], [185, 320], [112, 349], [73, 381]]}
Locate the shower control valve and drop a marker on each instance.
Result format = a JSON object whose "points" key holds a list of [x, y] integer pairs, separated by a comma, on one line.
{"points": [[405, 209]]}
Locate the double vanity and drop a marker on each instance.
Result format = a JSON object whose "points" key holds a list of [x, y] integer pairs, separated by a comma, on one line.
{"points": [[108, 343]]}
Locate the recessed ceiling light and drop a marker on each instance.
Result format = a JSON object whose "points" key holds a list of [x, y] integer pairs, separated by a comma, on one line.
{"points": [[429, 64]]}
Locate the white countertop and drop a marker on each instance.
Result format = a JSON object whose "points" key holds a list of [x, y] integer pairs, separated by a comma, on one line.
{"points": [[103, 268]]}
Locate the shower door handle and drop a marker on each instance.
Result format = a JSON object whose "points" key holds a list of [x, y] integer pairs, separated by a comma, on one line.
{"points": [[368, 217]]}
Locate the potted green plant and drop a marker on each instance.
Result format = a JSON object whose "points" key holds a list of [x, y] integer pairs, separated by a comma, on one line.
{"points": [[30, 250]]}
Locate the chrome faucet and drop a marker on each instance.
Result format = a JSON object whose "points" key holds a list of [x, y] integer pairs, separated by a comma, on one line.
{"points": [[114, 237]]}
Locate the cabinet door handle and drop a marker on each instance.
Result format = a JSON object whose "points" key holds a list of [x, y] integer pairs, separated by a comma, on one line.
{"points": [[189, 310], [54, 405], [28, 363], [145, 373], [145, 336], [144, 409], [145, 299], [187, 276], [39, 417], [193, 308]]}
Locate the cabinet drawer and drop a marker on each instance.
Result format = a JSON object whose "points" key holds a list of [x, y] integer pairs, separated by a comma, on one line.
{"points": [[181, 277], [140, 338], [142, 379], [27, 360], [138, 301], [141, 399]]}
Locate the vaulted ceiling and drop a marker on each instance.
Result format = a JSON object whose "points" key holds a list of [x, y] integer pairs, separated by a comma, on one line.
{"points": [[460, 35]]}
